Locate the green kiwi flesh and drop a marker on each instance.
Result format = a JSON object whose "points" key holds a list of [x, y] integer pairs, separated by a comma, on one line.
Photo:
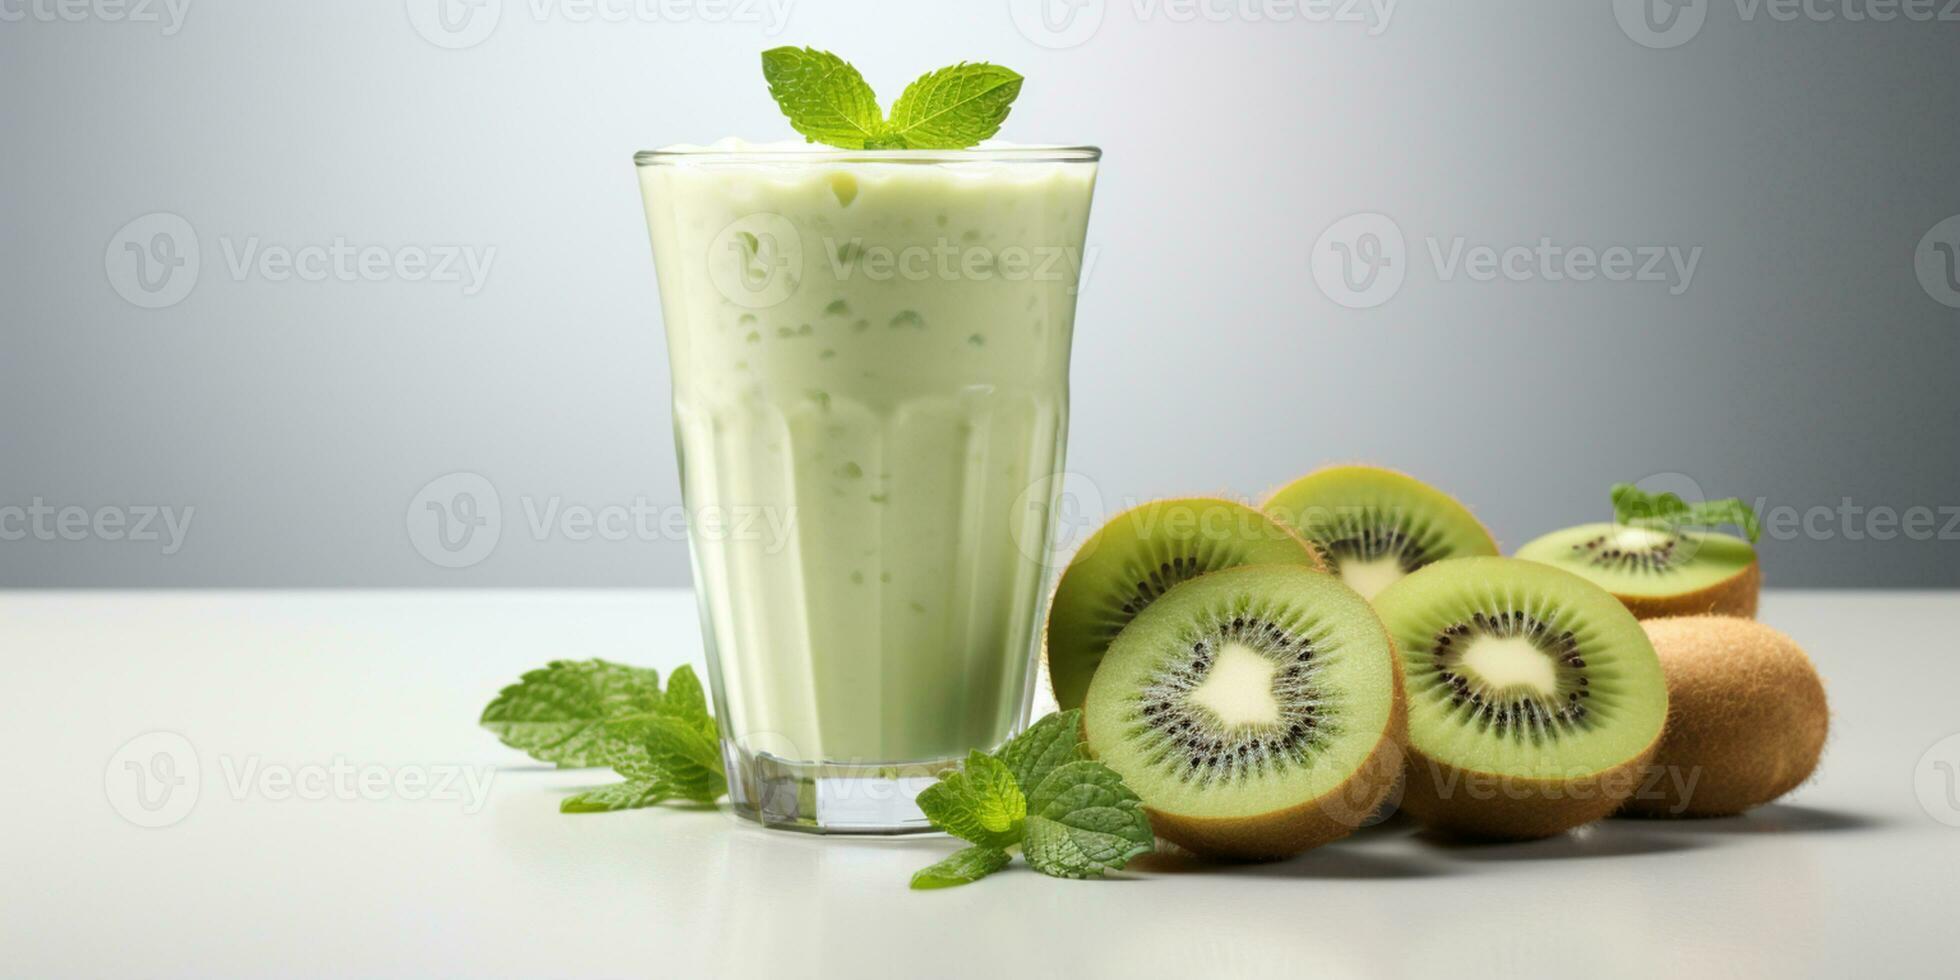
{"points": [[1534, 696], [1137, 557], [1374, 525], [1656, 572], [1255, 711]]}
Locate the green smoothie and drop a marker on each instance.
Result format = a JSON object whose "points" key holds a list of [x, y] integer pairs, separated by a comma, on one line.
{"points": [[870, 355]]}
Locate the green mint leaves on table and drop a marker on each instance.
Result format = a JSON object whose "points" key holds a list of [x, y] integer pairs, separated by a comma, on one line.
{"points": [[596, 713], [827, 101], [1072, 817], [1667, 511]]}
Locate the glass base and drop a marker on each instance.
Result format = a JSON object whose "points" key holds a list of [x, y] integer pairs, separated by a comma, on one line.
{"points": [[829, 797]]}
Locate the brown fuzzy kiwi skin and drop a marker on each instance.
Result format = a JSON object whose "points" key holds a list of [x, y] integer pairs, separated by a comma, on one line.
{"points": [[1488, 806], [1304, 826], [1747, 718], [1734, 596]]}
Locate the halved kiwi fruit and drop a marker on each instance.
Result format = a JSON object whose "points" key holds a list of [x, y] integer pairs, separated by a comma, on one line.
{"points": [[1746, 718], [1658, 573], [1534, 697], [1137, 557], [1256, 711], [1375, 525]]}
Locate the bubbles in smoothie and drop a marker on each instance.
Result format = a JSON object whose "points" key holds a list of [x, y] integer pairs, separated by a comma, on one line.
{"points": [[908, 318]]}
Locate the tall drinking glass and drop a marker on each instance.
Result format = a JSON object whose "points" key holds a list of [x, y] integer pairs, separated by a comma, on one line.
{"points": [[870, 354]]}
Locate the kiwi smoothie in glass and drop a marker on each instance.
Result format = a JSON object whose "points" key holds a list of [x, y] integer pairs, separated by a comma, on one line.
{"points": [[870, 354]]}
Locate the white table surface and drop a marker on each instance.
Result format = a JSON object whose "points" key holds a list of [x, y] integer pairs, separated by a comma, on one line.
{"points": [[1851, 876]]}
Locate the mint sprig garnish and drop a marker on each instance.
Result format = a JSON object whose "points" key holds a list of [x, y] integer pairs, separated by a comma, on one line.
{"points": [[824, 97], [969, 865], [953, 107], [594, 713], [557, 713], [1668, 512], [1071, 817], [827, 101], [980, 802]]}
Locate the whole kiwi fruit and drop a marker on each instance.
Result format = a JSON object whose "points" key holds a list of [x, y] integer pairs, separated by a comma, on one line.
{"points": [[1256, 711], [1746, 718]]}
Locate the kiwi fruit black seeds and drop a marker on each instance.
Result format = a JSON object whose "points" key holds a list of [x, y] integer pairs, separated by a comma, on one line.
{"points": [[1535, 698], [1658, 573], [1136, 558], [1256, 711], [1374, 525]]}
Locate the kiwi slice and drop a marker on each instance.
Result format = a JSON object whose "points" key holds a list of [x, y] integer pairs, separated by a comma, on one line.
{"points": [[1137, 557], [1746, 718], [1256, 711], [1534, 697], [1655, 572], [1375, 525]]}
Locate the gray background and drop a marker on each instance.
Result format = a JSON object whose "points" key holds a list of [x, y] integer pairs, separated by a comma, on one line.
{"points": [[1805, 364]]}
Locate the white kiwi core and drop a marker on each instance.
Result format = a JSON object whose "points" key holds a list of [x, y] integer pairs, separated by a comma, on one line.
{"points": [[1511, 662], [1239, 687], [1373, 575]]}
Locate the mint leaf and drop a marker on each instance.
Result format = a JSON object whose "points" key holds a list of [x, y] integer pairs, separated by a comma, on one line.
{"points": [[1082, 821], [630, 795], [1667, 511], [673, 750], [685, 697], [557, 713], [824, 97], [953, 108], [979, 803], [962, 867], [1048, 744]]}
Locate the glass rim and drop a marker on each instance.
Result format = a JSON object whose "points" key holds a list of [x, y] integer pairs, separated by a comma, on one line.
{"points": [[1005, 154]]}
